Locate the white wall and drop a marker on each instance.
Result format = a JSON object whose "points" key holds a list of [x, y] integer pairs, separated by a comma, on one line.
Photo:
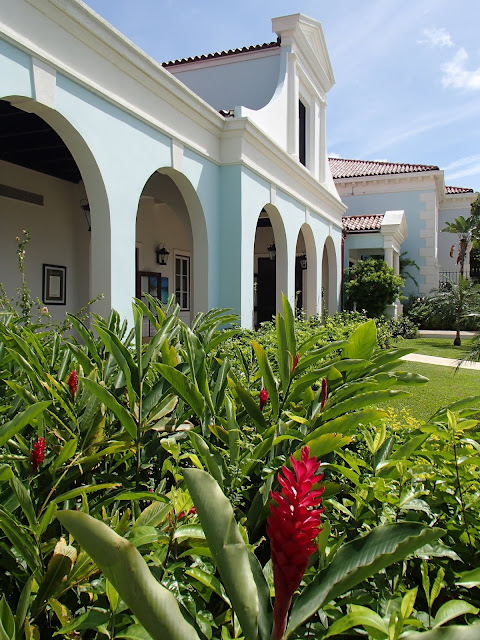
{"points": [[244, 81], [59, 235]]}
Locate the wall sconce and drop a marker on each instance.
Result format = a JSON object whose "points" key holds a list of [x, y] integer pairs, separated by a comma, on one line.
{"points": [[272, 251], [86, 210], [162, 254], [303, 261]]}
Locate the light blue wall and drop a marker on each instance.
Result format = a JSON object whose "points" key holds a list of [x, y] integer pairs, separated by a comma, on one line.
{"points": [[15, 71], [410, 202]]}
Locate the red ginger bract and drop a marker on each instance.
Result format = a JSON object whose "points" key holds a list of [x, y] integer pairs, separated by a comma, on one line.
{"points": [[38, 453], [73, 383], [292, 527]]}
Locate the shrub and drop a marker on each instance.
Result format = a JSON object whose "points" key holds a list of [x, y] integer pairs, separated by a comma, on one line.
{"points": [[372, 285]]}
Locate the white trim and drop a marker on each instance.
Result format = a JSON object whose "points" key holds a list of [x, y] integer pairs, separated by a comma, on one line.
{"points": [[221, 60], [178, 253]]}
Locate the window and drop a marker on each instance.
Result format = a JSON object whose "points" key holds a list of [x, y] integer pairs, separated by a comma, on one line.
{"points": [[302, 133], [182, 281]]}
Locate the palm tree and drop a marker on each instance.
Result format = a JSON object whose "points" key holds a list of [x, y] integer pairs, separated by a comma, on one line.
{"points": [[463, 228], [454, 302]]}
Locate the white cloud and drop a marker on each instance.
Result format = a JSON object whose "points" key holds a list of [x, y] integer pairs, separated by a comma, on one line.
{"points": [[334, 155], [462, 168], [456, 75], [435, 37]]}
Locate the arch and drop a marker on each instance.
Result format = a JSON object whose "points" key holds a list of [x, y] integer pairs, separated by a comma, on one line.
{"points": [[309, 275], [273, 233], [329, 277], [177, 202], [98, 251]]}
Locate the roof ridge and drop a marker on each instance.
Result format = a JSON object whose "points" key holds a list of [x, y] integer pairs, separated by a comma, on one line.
{"points": [[223, 54]]}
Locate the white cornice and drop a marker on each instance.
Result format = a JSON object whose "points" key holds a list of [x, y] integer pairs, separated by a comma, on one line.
{"points": [[383, 184], [457, 201], [244, 143]]}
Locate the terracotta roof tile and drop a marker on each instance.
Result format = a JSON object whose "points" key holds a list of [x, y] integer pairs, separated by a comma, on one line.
{"points": [[342, 168], [363, 223], [223, 54], [449, 190]]}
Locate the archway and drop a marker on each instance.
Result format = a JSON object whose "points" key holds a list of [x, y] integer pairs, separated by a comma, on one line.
{"points": [[269, 264], [306, 271], [171, 244], [47, 174], [329, 278]]}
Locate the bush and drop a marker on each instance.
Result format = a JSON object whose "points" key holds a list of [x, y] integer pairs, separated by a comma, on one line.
{"points": [[372, 285]]}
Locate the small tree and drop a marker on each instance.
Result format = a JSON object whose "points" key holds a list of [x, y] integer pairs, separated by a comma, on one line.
{"points": [[373, 285], [463, 228], [454, 302]]}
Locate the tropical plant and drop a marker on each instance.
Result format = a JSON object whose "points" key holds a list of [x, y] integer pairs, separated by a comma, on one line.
{"points": [[405, 264], [455, 302], [372, 285]]}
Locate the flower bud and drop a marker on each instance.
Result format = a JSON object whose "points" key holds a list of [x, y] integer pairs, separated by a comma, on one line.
{"points": [[263, 398]]}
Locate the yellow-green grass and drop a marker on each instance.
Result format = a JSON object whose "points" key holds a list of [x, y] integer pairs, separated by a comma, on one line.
{"points": [[441, 347], [446, 385]]}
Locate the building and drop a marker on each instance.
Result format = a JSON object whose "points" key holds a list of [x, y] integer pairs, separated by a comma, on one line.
{"points": [[396, 208], [133, 176]]}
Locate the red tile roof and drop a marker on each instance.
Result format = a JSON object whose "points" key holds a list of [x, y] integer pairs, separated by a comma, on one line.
{"points": [[457, 190], [223, 54], [363, 223], [342, 168]]}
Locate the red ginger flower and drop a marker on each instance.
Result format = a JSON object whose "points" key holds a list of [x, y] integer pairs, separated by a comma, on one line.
{"points": [[292, 527], [295, 363], [324, 393], [73, 383], [263, 398], [38, 453]]}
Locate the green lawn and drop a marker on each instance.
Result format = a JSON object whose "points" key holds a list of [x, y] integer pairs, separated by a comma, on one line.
{"points": [[438, 347], [446, 385]]}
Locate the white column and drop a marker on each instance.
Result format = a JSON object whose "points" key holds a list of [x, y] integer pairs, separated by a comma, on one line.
{"points": [[292, 106], [389, 256], [322, 138]]}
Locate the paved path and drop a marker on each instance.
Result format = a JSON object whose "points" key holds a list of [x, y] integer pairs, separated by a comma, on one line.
{"points": [[444, 362], [430, 333]]}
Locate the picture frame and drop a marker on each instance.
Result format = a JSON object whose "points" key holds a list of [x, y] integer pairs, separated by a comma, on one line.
{"points": [[54, 289]]}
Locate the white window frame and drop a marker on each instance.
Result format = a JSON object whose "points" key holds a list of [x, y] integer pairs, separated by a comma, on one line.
{"points": [[184, 256]]}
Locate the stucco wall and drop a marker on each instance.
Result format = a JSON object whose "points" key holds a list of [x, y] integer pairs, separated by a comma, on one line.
{"points": [[59, 235], [249, 82]]}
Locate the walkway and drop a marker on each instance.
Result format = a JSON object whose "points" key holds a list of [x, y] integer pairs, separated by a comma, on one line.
{"points": [[444, 362]]}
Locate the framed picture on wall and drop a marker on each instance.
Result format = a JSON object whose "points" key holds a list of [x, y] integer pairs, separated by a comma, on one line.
{"points": [[54, 284]]}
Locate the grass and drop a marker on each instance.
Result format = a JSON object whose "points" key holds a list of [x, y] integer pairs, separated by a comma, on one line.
{"points": [[438, 347], [444, 387]]}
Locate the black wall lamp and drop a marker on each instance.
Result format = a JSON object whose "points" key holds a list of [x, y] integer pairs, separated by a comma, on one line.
{"points": [[272, 251], [162, 254], [303, 261], [86, 210]]}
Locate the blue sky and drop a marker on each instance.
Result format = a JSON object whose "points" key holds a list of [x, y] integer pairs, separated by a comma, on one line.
{"points": [[407, 71]]}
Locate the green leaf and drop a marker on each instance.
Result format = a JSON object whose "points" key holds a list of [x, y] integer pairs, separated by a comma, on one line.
{"points": [[267, 375], [348, 422], [322, 445], [455, 632], [451, 610], [405, 451], [59, 566], [362, 400], [251, 406], [289, 319], [228, 548], [469, 579], [11, 428], [109, 400], [209, 581], [184, 388], [202, 447], [22, 607], [358, 616], [358, 560], [134, 632], [66, 452], [89, 488], [124, 360], [154, 606], [23, 496], [20, 539], [282, 352], [362, 342]]}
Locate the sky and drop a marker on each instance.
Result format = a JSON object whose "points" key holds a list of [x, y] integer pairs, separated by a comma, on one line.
{"points": [[407, 71]]}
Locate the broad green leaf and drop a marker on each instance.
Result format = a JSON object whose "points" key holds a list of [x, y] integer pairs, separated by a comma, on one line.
{"points": [[209, 581], [362, 400], [66, 452], [325, 444], [89, 488], [112, 595], [7, 621], [203, 450], [154, 606], [358, 617], [469, 579], [282, 352], [124, 359], [251, 406], [9, 429], [267, 375], [289, 319], [109, 400], [408, 603], [348, 422], [23, 496], [405, 451], [358, 560], [140, 536], [153, 515], [228, 548], [134, 632], [455, 632], [184, 387], [22, 607], [59, 566], [362, 342], [453, 609], [21, 540]]}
